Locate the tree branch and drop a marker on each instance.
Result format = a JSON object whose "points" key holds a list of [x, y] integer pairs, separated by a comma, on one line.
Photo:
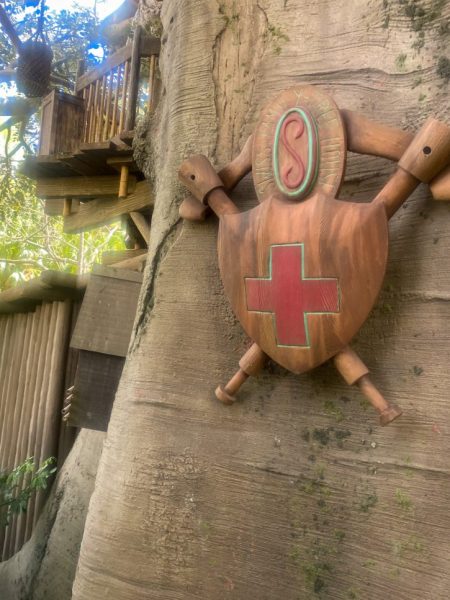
{"points": [[7, 75], [9, 29], [18, 107]]}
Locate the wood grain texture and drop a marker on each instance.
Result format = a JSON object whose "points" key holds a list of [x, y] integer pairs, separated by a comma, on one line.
{"points": [[294, 493], [107, 313], [94, 389], [62, 117], [331, 141], [82, 187], [33, 348], [344, 243], [101, 212]]}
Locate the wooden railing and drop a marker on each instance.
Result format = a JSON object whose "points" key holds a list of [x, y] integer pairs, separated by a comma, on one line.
{"points": [[111, 91]]}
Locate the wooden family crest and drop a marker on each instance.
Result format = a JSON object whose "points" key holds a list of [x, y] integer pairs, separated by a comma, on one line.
{"points": [[303, 270]]}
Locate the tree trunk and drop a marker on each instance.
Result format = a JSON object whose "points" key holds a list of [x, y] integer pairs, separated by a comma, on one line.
{"points": [[295, 492]]}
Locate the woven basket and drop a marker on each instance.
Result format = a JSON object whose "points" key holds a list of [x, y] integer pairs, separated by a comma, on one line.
{"points": [[34, 68]]}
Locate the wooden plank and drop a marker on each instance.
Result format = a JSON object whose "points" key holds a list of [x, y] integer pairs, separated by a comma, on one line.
{"points": [[44, 166], [101, 212], [149, 46], [112, 61], [97, 160], [79, 166], [81, 187], [114, 273], [61, 123], [136, 264], [107, 314], [64, 280], [96, 146], [50, 286], [118, 161], [112, 257], [142, 225], [96, 382], [54, 207]]}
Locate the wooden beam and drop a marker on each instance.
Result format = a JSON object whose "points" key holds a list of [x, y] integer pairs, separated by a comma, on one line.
{"points": [[101, 212], [142, 225], [50, 286], [81, 187], [112, 61], [54, 207], [79, 166], [96, 146], [112, 257], [149, 46], [134, 264]]}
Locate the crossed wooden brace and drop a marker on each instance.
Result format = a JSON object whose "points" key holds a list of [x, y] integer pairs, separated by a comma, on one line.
{"points": [[424, 157]]}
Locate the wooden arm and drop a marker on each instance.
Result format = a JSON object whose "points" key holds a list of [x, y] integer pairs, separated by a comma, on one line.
{"points": [[368, 137], [199, 176], [424, 159], [193, 210]]}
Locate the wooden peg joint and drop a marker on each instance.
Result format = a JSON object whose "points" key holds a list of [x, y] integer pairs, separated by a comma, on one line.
{"points": [[198, 175], [354, 371], [250, 365]]}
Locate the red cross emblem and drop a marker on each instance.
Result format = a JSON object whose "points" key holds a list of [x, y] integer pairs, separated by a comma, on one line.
{"points": [[291, 296]]}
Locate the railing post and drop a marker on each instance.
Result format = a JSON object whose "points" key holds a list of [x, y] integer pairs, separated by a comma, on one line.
{"points": [[134, 80]]}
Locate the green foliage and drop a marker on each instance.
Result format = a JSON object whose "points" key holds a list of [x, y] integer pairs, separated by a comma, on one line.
{"points": [[69, 31], [19, 485], [31, 242]]}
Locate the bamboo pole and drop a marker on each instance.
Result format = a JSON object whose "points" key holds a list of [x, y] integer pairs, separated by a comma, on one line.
{"points": [[30, 380], [93, 118], [7, 437], [98, 133], [108, 106], [87, 124], [5, 351], [123, 110], [19, 400], [116, 103], [9, 375], [41, 342], [55, 390]]}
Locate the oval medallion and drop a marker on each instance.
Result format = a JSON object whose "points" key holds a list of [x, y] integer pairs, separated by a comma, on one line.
{"points": [[330, 138], [296, 153]]}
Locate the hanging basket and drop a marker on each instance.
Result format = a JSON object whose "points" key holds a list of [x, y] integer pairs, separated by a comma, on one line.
{"points": [[34, 68]]}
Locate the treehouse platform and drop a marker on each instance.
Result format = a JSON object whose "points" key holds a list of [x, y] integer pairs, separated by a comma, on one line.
{"points": [[85, 165]]}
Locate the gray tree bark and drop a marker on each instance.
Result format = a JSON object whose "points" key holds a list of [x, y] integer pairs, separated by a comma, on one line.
{"points": [[295, 492]]}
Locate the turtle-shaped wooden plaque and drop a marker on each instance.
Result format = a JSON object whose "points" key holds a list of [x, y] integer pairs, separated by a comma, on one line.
{"points": [[303, 269]]}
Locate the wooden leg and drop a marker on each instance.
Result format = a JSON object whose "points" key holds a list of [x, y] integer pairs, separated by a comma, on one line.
{"points": [[250, 365], [123, 185], [67, 208], [354, 371]]}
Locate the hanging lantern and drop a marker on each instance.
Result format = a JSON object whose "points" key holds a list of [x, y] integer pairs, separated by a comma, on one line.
{"points": [[34, 68]]}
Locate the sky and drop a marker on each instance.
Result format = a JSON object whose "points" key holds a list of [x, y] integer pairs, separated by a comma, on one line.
{"points": [[104, 8]]}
